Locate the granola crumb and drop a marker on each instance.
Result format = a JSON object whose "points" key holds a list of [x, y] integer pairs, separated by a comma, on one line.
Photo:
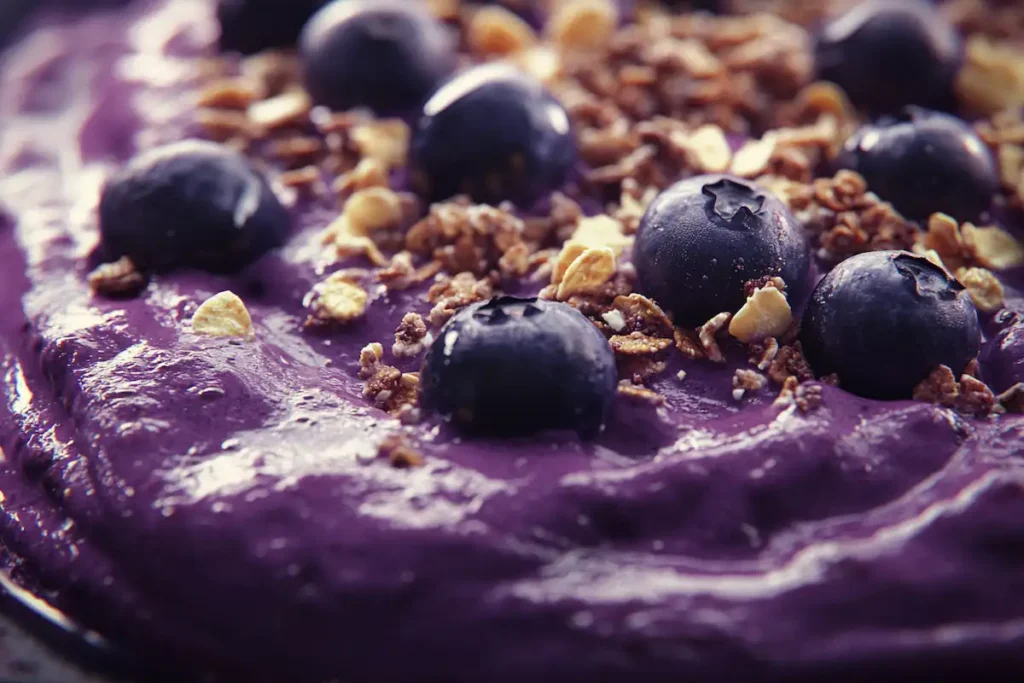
{"points": [[453, 293], [119, 278], [985, 289], [789, 361], [336, 300], [940, 387], [385, 140], [706, 333], [993, 247], [763, 353], [1012, 400], [638, 344], [369, 172], [373, 208], [412, 337], [223, 315], [976, 398], [787, 395], [629, 390], [681, 375], [370, 359], [582, 24], [399, 453], [748, 380]]}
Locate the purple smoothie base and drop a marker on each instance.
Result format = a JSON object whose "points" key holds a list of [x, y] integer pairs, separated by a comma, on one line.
{"points": [[218, 505]]}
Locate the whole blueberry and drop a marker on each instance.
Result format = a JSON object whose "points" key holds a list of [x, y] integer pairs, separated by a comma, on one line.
{"points": [[493, 133], [249, 26], [388, 55], [190, 204], [887, 54], [704, 238], [884, 320], [923, 161], [513, 366]]}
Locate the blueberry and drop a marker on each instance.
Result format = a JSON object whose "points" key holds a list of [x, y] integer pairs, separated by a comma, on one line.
{"points": [[190, 204], [493, 133], [924, 162], [249, 26], [887, 54], [514, 366], [704, 238], [388, 55], [884, 320]]}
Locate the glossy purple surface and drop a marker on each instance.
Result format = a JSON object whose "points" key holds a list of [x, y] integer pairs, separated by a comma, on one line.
{"points": [[217, 505]]}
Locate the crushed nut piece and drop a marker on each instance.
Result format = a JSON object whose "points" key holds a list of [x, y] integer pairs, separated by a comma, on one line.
{"points": [[336, 300], [984, 288], [223, 315], [615, 320], [411, 337], [369, 360], [397, 450], [464, 237], [706, 333], [939, 387], [494, 30], [117, 278], [587, 273], [748, 380], [386, 140], [688, 344], [765, 314], [763, 353]]}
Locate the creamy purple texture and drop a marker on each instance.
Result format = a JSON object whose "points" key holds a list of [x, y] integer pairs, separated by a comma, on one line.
{"points": [[218, 503]]}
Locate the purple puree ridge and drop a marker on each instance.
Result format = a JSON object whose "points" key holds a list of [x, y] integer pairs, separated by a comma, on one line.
{"points": [[218, 504]]}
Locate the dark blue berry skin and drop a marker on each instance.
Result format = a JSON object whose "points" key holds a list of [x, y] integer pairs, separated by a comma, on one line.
{"points": [[887, 55], [923, 161], [884, 320], [493, 133], [249, 26], [387, 55], [191, 204], [704, 238], [513, 366]]}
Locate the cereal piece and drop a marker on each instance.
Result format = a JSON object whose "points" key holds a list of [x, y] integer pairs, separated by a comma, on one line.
{"points": [[582, 24], [336, 300], [985, 289], [940, 387], [223, 315], [638, 344], [631, 391], [688, 344], [412, 337], [386, 140], [372, 209], [602, 231], [587, 273], [368, 173], [229, 93], [494, 30], [399, 453], [765, 314], [993, 247], [571, 251], [944, 237], [346, 244], [540, 61], [709, 149], [706, 333], [287, 109], [117, 278], [751, 160], [992, 76], [223, 125]]}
